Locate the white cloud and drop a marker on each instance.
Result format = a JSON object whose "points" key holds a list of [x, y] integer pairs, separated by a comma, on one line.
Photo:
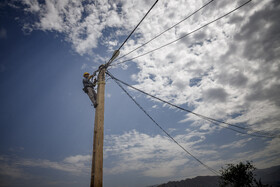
{"points": [[152, 156], [74, 164], [15, 166], [78, 159], [135, 151], [84, 66], [231, 79], [32, 5], [228, 69], [236, 144], [158, 156], [84, 22], [264, 157], [11, 170]]}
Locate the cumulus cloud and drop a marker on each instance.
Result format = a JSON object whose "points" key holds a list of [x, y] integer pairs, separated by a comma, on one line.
{"points": [[15, 166], [151, 156], [84, 24], [221, 71], [32, 6], [158, 156], [236, 144], [11, 170], [135, 151], [215, 95], [229, 70]]}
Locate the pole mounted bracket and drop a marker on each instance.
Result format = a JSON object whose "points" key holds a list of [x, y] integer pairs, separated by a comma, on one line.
{"points": [[102, 66], [114, 56]]}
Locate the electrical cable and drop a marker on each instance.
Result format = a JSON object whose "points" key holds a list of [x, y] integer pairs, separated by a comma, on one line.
{"points": [[138, 25], [110, 61], [238, 131], [212, 120], [166, 30], [209, 168], [169, 43]]}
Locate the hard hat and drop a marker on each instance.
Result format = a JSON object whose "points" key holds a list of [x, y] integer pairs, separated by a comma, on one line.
{"points": [[86, 73]]}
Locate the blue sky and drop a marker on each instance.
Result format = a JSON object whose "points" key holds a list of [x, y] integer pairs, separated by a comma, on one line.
{"points": [[228, 71]]}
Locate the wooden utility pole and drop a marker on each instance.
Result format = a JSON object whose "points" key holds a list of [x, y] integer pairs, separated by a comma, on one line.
{"points": [[97, 155], [98, 135]]}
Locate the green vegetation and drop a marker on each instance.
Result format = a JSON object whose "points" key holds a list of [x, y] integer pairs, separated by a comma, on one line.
{"points": [[239, 175]]}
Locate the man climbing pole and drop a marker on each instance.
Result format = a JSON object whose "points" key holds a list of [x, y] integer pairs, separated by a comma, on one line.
{"points": [[89, 85]]}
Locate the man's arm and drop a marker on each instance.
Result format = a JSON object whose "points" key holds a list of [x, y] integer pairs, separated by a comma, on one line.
{"points": [[91, 76], [94, 82]]}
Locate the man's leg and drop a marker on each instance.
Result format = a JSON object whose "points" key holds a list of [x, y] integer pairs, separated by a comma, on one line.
{"points": [[92, 95], [95, 95]]}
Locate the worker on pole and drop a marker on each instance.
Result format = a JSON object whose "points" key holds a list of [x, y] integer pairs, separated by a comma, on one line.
{"points": [[89, 85]]}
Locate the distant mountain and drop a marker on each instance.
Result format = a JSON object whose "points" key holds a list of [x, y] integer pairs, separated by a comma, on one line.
{"points": [[200, 181], [269, 176]]}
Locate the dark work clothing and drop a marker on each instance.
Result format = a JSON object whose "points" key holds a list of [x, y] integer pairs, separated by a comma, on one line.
{"points": [[88, 83], [89, 89], [92, 96]]}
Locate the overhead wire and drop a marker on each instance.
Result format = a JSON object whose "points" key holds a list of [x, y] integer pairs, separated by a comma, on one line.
{"points": [[212, 120], [138, 24], [155, 37], [151, 118], [185, 35], [207, 118], [238, 131], [134, 29]]}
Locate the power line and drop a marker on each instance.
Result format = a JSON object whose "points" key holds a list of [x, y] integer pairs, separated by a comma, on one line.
{"points": [[166, 30], [238, 131], [169, 43], [134, 29], [212, 120], [206, 166], [138, 24]]}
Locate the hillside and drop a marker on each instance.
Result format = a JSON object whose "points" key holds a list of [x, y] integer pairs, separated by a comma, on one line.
{"points": [[269, 176]]}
